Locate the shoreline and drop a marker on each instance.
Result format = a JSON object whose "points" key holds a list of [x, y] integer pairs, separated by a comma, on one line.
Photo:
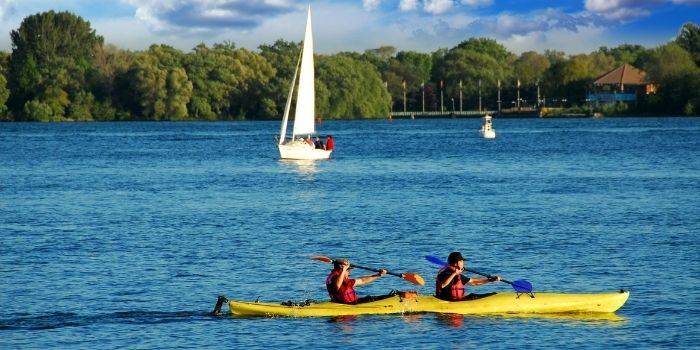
{"points": [[516, 116]]}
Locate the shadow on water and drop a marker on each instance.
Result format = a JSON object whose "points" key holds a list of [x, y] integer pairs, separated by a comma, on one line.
{"points": [[66, 319]]}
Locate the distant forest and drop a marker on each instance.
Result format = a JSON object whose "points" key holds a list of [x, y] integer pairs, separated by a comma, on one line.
{"points": [[60, 69]]}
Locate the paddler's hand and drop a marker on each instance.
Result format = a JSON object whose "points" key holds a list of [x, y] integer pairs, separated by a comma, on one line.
{"points": [[381, 272], [494, 278]]}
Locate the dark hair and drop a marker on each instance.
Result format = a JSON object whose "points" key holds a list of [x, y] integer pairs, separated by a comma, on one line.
{"points": [[454, 257], [337, 263]]}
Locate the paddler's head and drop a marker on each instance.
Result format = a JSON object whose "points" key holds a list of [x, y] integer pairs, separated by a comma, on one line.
{"points": [[455, 259], [338, 263]]}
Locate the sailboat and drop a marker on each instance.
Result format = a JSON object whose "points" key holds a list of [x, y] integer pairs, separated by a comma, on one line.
{"points": [[487, 130], [304, 121]]}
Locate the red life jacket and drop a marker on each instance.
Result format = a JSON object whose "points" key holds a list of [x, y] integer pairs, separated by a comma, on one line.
{"points": [[345, 294], [456, 288]]}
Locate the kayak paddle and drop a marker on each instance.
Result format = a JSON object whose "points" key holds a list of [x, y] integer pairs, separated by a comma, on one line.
{"points": [[408, 276], [520, 286]]}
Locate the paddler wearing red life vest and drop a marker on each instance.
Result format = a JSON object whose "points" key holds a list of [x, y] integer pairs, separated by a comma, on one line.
{"points": [[450, 283], [341, 287]]}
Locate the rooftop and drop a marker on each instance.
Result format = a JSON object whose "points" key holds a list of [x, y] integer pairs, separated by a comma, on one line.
{"points": [[625, 74]]}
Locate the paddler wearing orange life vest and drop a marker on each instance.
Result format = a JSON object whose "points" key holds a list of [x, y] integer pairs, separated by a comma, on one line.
{"points": [[450, 283], [341, 287]]}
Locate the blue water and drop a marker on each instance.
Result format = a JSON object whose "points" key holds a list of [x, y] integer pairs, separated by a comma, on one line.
{"points": [[117, 235]]}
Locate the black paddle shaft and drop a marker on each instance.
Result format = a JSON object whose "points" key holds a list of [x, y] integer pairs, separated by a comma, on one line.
{"points": [[487, 275], [376, 270]]}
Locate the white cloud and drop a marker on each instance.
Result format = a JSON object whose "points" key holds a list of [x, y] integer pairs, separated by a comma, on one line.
{"points": [[477, 2], [437, 7], [408, 5], [586, 39], [625, 10], [505, 25], [370, 5], [207, 15], [5, 8]]}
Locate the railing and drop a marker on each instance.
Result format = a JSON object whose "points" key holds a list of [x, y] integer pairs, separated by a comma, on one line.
{"points": [[607, 97], [441, 114]]}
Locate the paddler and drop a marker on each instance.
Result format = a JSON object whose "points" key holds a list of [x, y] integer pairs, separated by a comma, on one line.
{"points": [[341, 287], [450, 283]]}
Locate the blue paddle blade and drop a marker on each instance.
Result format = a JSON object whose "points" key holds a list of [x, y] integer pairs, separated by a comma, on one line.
{"points": [[435, 260], [522, 286]]}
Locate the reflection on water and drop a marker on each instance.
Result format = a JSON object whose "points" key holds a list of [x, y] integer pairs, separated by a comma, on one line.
{"points": [[308, 168], [451, 320], [456, 320], [588, 318], [343, 319], [343, 323]]}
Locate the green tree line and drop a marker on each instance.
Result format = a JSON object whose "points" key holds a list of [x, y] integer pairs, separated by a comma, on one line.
{"points": [[60, 69]]}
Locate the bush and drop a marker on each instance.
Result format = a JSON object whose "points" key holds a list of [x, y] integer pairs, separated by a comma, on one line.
{"points": [[39, 111], [610, 109]]}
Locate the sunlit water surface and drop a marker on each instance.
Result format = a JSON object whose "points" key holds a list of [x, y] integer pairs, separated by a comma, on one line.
{"points": [[117, 235]]}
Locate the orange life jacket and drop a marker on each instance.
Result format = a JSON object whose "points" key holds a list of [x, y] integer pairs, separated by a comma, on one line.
{"points": [[345, 294], [456, 291]]}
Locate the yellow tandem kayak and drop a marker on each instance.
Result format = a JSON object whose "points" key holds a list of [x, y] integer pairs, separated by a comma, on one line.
{"points": [[500, 303]]}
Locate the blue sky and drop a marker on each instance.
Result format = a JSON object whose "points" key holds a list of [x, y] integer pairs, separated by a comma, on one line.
{"points": [[573, 26]]}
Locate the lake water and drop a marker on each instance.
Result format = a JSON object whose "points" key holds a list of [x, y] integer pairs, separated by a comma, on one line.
{"points": [[121, 235]]}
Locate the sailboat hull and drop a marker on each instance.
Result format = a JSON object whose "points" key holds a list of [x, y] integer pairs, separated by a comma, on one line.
{"points": [[302, 151]]}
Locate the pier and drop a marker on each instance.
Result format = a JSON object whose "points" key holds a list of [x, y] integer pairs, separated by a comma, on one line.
{"points": [[436, 114]]}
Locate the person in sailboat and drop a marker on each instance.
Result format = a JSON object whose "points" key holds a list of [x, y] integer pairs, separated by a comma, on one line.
{"points": [[317, 143], [341, 287], [450, 283], [329, 143]]}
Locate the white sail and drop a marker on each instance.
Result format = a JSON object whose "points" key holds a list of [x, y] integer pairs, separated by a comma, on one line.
{"points": [[285, 118], [304, 114]]}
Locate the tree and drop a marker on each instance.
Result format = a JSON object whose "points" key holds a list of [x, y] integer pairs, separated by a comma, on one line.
{"points": [[110, 64], [419, 63], [678, 78], [383, 53], [212, 76], [160, 84], [626, 53], [252, 72], [52, 53], [478, 64], [410, 67], [4, 91], [669, 61], [473, 61], [349, 88], [689, 39], [489, 47], [530, 67], [283, 56], [4, 94], [570, 78]]}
